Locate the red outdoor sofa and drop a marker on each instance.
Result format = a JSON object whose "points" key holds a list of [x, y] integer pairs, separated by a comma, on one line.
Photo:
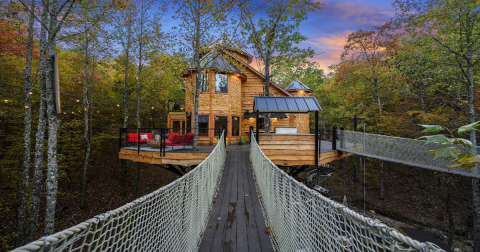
{"points": [[173, 138]]}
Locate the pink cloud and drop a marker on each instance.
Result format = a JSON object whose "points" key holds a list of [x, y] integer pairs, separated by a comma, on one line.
{"points": [[359, 14]]}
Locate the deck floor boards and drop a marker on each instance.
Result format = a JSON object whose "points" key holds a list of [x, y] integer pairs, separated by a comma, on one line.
{"points": [[236, 220]]}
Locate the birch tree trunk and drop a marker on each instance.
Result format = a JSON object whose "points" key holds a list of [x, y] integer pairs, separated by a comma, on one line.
{"points": [[198, 67], [27, 132], [86, 135], [52, 168], [40, 135]]}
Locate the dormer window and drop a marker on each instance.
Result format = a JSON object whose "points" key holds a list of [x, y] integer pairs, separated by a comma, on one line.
{"points": [[205, 82], [221, 83]]}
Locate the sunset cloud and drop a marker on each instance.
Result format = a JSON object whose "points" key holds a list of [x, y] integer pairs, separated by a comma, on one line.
{"points": [[356, 13]]}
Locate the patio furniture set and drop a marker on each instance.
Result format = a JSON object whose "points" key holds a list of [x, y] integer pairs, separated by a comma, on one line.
{"points": [[154, 141]]}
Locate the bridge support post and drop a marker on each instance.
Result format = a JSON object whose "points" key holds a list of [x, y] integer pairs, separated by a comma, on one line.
{"points": [[258, 130], [342, 138], [317, 151]]}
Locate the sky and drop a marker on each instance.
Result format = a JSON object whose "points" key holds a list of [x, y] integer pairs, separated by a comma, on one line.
{"points": [[328, 28]]}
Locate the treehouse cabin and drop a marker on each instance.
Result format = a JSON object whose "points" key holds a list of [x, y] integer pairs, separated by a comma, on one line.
{"points": [[232, 97], [227, 97]]}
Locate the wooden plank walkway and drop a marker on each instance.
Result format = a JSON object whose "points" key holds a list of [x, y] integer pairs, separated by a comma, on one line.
{"points": [[237, 222]]}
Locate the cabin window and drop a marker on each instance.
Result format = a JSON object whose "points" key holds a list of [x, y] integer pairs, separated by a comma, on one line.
{"points": [[176, 126], [220, 122], [205, 85], [221, 83], [235, 126], [203, 125]]}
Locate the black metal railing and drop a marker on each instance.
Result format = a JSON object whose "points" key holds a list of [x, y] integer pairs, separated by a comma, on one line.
{"points": [[131, 138]]}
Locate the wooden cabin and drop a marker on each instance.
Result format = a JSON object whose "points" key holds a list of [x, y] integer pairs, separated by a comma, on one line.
{"points": [[227, 97]]}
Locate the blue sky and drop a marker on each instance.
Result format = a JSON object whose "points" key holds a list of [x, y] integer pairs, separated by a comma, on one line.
{"points": [[328, 28]]}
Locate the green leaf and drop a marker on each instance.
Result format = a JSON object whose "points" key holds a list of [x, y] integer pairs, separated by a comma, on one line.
{"points": [[440, 139], [466, 143], [468, 127], [446, 152], [464, 159], [431, 128], [463, 166], [474, 159]]}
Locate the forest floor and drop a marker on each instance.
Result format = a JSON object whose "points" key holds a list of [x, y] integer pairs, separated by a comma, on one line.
{"points": [[105, 192], [406, 202]]}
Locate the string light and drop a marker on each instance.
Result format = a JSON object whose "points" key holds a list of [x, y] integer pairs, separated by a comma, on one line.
{"points": [[26, 107], [118, 105], [30, 92], [6, 100], [153, 107], [78, 100]]}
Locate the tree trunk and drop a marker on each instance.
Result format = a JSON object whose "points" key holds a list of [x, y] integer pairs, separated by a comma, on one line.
{"points": [[40, 136], [140, 57], [382, 178], [19, 238], [267, 117], [86, 135], [473, 139], [52, 168], [379, 102], [198, 67], [127, 61]]}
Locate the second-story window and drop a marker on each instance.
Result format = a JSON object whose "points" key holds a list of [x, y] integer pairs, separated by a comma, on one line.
{"points": [[205, 82], [221, 83]]}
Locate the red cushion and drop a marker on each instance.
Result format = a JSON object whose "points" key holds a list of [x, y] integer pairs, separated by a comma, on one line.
{"points": [[178, 139], [168, 142], [132, 137], [189, 139], [172, 135], [190, 134]]}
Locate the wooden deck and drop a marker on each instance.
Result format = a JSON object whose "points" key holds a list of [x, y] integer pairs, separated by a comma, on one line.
{"points": [[237, 222], [298, 149], [178, 156]]}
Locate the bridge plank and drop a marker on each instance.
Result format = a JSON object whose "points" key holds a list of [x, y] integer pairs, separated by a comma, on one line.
{"points": [[241, 227]]}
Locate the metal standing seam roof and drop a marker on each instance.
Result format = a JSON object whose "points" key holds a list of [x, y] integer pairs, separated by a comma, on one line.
{"points": [[297, 85], [276, 104]]}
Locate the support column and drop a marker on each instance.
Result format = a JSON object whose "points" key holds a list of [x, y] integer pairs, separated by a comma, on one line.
{"points": [[317, 151]]}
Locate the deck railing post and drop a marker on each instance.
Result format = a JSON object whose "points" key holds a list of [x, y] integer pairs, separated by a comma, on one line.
{"points": [[164, 139], [250, 134], [334, 138], [342, 138], [258, 130], [224, 135], [138, 140], [161, 142], [316, 139]]}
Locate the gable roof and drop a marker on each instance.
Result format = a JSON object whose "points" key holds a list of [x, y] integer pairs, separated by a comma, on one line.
{"points": [[297, 85], [256, 72]]}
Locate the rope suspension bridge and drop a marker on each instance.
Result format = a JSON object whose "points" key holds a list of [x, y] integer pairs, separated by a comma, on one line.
{"points": [[407, 151], [176, 216]]}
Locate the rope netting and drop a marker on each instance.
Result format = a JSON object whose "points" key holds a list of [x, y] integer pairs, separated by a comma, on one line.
{"points": [[172, 218], [400, 150], [300, 219]]}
